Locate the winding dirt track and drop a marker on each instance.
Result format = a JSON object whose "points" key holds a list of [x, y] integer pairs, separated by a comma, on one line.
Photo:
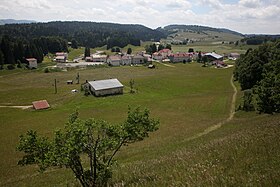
{"points": [[219, 125]]}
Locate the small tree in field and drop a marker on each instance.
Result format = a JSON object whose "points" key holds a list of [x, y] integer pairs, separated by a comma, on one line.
{"points": [[97, 140], [131, 85]]}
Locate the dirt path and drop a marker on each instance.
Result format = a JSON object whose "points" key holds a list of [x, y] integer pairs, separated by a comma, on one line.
{"points": [[22, 107], [168, 65], [219, 125]]}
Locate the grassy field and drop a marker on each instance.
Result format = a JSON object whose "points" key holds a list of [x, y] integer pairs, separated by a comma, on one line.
{"points": [[187, 99]]}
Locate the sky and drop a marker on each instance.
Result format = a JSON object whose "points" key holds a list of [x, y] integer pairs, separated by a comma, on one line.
{"points": [[245, 16]]}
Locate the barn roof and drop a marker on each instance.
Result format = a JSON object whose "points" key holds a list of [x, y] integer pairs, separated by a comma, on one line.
{"points": [[39, 105], [105, 84], [214, 55]]}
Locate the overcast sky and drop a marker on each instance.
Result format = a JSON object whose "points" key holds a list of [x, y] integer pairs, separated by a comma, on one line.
{"points": [[245, 16]]}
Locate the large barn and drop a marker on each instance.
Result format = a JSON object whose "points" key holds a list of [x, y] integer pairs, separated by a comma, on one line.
{"points": [[105, 87]]}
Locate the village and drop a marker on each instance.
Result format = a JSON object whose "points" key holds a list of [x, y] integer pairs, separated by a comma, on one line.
{"points": [[140, 58]]}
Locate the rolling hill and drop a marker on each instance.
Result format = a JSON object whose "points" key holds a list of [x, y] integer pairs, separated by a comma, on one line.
{"points": [[181, 34]]}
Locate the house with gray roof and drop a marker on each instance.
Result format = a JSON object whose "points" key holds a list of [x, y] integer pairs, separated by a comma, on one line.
{"points": [[105, 87]]}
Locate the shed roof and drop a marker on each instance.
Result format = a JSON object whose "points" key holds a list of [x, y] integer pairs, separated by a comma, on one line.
{"points": [[39, 105], [105, 84]]}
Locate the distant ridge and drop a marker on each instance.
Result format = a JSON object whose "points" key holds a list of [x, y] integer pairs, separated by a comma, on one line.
{"points": [[14, 21], [195, 28]]}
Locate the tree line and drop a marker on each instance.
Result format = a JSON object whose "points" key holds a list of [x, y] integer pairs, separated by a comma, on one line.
{"points": [[258, 72], [152, 48]]}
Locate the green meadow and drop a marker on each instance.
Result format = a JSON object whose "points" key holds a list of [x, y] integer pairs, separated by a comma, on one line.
{"points": [[187, 99]]}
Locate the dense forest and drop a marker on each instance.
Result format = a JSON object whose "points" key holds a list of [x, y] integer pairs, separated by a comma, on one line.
{"points": [[258, 72], [259, 39], [88, 34]]}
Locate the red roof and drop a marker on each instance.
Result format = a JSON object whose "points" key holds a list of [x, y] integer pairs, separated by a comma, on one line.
{"points": [[180, 55], [115, 58], [39, 105], [164, 51]]}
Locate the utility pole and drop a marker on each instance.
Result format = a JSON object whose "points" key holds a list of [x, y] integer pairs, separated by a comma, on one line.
{"points": [[55, 87], [78, 78]]}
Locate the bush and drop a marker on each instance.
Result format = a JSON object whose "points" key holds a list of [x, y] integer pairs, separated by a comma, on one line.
{"points": [[248, 101], [46, 70], [11, 67]]}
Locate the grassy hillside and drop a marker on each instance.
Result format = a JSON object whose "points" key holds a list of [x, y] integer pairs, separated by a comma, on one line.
{"points": [[187, 99], [199, 34]]}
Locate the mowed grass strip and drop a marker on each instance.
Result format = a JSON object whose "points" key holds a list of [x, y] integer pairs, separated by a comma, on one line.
{"points": [[187, 99]]}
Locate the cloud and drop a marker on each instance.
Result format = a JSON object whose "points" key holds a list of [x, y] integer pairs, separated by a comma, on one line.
{"points": [[256, 16], [250, 3]]}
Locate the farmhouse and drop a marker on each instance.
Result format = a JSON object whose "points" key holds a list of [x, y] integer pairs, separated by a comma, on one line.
{"points": [[162, 54], [126, 60], [234, 56], [61, 57], [114, 60], [32, 63], [214, 56], [105, 87], [179, 57], [157, 56], [99, 58], [88, 59], [138, 59]]}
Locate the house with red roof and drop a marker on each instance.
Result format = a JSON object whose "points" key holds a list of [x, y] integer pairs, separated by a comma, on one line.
{"points": [[162, 54], [180, 57]]}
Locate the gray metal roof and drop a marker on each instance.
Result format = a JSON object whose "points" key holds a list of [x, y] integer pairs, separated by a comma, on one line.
{"points": [[215, 55], [105, 84]]}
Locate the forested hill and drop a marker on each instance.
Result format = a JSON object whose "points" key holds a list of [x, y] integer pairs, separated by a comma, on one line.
{"points": [[14, 21], [195, 28], [89, 34]]}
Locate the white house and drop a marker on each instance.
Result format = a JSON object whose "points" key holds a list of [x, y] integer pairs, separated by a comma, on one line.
{"points": [[99, 58], [162, 54], [138, 59], [126, 60], [179, 57], [61, 54], [61, 57], [114, 60], [32, 63]]}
